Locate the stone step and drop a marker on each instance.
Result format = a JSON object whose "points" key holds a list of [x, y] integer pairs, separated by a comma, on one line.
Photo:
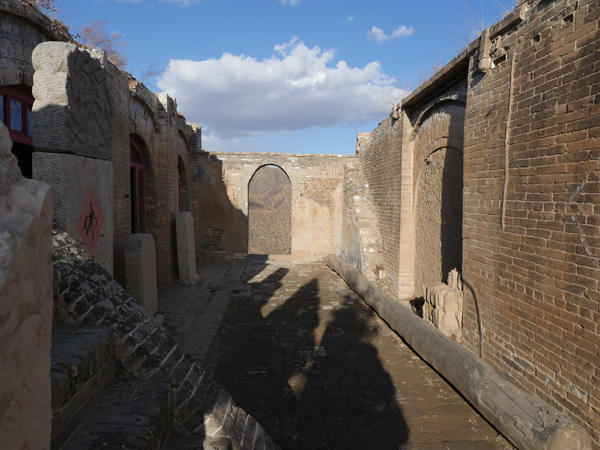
{"points": [[82, 370], [132, 415]]}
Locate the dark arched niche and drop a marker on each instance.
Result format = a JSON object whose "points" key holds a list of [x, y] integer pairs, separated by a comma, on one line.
{"points": [[270, 212], [438, 217]]}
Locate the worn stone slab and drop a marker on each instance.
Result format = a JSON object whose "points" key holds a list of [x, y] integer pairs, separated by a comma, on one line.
{"points": [[186, 249], [140, 270], [66, 119]]}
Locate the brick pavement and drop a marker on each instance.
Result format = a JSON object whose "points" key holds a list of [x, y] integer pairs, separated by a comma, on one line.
{"points": [[193, 314], [320, 370]]}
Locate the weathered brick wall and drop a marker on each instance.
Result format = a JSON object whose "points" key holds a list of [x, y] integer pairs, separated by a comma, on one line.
{"points": [[361, 241], [382, 169], [317, 185], [537, 276], [151, 121]]}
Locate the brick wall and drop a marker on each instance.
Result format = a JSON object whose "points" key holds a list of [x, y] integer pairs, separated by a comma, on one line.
{"points": [[382, 170], [151, 121], [537, 276]]}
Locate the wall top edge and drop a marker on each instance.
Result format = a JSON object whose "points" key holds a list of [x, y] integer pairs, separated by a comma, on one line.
{"points": [[458, 64], [289, 155], [35, 17]]}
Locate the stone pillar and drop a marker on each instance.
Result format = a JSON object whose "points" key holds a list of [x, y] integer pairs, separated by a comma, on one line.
{"points": [[72, 136], [140, 270], [443, 306], [186, 250], [25, 305]]}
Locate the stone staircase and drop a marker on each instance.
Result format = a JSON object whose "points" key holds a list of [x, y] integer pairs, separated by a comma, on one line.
{"points": [[91, 408], [120, 380]]}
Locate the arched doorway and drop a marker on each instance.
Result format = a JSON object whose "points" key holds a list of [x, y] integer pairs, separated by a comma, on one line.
{"points": [[438, 217], [270, 212]]}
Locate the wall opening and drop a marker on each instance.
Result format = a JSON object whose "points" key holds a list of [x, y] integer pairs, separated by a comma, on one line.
{"points": [[142, 191], [270, 212], [16, 105], [438, 217]]}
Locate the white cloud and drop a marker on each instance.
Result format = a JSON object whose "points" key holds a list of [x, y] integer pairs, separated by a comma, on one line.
{"points": [[289, 2], [298, 88], [377, 34], [351, 19]]}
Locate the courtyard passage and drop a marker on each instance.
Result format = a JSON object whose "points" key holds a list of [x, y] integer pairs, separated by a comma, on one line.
{"points": [[318, 368]]}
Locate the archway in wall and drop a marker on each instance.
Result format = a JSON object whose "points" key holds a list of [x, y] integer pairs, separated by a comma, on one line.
{"points": [[438, 217], [270, 212], [142, 188]]}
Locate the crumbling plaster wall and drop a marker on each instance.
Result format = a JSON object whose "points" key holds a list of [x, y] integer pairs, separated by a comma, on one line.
{"points": [[317, 191]]}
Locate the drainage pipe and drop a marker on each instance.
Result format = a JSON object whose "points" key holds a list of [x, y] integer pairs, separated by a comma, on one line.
{"points": [[524, 419]]}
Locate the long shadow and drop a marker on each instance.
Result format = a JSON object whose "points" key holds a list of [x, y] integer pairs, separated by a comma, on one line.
{"points": [[305, 367]]}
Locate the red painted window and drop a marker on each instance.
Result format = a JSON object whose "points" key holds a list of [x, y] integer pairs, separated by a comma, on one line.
{"points": [[137, 190], [15, 113]]}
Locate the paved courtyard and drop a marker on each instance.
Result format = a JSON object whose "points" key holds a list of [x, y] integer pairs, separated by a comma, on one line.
{"points": [[314, 364]]}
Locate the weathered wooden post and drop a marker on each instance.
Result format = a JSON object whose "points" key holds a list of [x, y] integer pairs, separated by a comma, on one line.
{"points": [[527, 421]]}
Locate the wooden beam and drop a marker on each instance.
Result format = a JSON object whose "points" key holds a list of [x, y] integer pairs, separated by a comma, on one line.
{"points": [[524, 419]]}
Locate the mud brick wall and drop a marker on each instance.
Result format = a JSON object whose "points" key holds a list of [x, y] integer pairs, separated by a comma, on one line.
{"points": [[317, 201], [537, 277]]}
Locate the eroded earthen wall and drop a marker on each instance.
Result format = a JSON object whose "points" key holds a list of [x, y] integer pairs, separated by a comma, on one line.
{"points": [[537, 277]]}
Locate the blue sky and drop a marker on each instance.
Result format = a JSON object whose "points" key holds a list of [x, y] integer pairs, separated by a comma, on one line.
{"points": [[299, 76]]}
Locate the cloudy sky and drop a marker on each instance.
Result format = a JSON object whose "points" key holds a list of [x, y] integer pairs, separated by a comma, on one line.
{"points": [[300, 76]]}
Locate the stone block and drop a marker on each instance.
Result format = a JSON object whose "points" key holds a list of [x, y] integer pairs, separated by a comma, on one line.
{"points": [[71, 177], [73, 105], [443, 307], [140, 270], [186, 249], [25, 305]]}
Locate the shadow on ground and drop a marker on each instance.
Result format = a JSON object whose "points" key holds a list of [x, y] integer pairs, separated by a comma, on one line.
{"points": [[300, 358]]}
